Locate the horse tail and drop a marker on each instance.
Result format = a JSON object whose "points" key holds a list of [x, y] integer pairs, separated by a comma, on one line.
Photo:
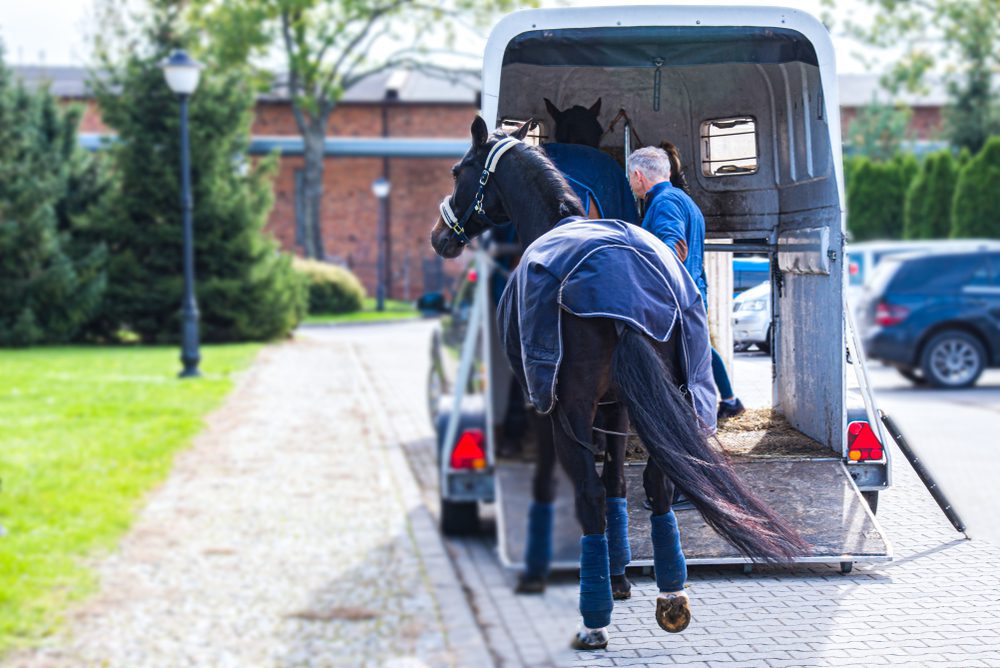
{"points": [[670, 430], [677, 179]]}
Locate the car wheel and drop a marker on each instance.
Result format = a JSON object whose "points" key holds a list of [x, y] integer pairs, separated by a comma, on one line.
{"points": [[912, 375], [741, 347], [953, 359], [765, 347]]}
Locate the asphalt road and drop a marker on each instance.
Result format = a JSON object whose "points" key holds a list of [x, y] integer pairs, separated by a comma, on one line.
{"points": [[955, 432]]}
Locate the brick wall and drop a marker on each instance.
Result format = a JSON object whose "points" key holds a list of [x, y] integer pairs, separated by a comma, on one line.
{"points": [[349, 211], [926, 122]]}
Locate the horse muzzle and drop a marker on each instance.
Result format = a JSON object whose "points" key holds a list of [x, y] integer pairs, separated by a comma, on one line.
{"points": [[443, 240]]}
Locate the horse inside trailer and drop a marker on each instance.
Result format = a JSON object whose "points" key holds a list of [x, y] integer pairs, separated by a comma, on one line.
{"points": [[748, 95]]}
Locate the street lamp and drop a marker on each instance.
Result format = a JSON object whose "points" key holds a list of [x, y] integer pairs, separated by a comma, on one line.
{"points": [[182, 73], [381, 187]]}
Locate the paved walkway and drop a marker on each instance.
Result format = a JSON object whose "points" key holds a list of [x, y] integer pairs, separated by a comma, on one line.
{"points": [[937, 604], [291, 534]]}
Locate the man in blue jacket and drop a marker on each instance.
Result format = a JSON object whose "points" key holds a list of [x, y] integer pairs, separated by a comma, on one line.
{"points": [[673, 217]]}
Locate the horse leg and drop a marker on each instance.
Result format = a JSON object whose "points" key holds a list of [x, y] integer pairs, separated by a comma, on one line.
{"points": [[584, 377], [613, 475], [538, 548], [673, 607]]}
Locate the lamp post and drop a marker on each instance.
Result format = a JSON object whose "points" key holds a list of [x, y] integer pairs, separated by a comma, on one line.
{"points": [[380, 187], [182, 73]]}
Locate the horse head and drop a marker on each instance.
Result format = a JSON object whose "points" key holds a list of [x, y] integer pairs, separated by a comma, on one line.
{"points": [[577, 125], [475, 204]]}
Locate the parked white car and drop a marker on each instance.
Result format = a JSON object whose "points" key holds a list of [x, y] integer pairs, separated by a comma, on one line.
{"points": [[752, 318]]}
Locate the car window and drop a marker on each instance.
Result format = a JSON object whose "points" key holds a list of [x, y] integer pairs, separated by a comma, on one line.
{"points": [[934, 273]]}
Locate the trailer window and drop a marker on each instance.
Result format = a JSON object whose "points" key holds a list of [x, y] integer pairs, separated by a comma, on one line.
{"points": [[729, 146], [534, 136]]}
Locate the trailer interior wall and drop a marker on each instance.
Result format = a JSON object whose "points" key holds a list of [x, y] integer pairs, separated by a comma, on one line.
{"points": [[791, 201]]}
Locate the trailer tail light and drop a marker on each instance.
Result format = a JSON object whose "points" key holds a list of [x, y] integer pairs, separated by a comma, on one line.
{"points": [[473, 275], [468, 452], [862, 443], [888, 314]]}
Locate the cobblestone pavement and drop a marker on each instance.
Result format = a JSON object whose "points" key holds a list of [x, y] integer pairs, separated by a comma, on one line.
{"points": [[291, 534], [936, 604]]}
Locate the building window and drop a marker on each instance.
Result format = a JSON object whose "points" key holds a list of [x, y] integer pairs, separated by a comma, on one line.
{"points": [[729, 146], [534, 136]]}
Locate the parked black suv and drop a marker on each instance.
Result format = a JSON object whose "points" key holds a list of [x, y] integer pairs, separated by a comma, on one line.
{"points": [[935, 317]]}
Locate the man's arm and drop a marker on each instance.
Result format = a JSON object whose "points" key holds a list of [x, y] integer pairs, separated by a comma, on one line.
{"points": [[667, 222]]}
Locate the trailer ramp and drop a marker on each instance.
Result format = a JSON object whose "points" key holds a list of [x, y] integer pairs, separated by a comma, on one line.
{"points": [[817, 496]]}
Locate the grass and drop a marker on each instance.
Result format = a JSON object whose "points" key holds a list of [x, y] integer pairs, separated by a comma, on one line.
{"points": [[85, 432], [394, 310]]}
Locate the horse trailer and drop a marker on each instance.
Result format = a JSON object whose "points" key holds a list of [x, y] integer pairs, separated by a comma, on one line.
{"points": [[749, 96]]}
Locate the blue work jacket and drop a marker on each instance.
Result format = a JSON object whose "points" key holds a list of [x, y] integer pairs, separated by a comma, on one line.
{"points": [[672, 215]]}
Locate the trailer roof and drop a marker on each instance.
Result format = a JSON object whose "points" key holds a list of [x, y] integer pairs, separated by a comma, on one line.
{"points": [[675, 45]]}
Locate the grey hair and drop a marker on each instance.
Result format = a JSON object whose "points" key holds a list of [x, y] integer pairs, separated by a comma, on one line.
{"points": [[653, 162]]}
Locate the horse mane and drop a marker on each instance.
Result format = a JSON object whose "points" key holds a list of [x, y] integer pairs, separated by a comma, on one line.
{"points": [[552, 178], [677, 178]]}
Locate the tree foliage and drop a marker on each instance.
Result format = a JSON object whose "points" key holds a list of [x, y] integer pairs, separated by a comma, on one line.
{"points": [[927, 212], [960, 38], [329, 46], [878, 130], [51, 279], [875, 197], [975, 212], [246, 289]]}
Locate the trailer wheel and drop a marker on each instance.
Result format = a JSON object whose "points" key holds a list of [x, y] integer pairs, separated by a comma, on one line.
{"points": [[872, 499], [459, 518], [846, 567]]}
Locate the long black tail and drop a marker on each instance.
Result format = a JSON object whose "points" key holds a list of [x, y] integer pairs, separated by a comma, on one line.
{"points": [[669, 429]]}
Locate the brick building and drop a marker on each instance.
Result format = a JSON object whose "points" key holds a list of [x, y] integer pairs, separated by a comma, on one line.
{"points": [[405, 126]]}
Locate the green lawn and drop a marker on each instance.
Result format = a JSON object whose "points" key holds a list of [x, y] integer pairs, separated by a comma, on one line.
{"points": [[84, 433], [394, 310]]}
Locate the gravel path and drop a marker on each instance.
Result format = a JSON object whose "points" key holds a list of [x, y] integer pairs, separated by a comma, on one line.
{"points": [[291, 534]]}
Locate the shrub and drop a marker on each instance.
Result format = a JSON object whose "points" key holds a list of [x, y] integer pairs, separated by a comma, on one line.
{"points": [[332, 288], [875, 197], [974, 210], [927, 214]]}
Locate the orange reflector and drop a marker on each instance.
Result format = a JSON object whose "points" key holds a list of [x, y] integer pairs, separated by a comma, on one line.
{"points": [[468, 452], [862, 443]]}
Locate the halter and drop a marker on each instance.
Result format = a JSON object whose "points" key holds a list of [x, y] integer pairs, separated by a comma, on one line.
{"points": [[456, 224]]}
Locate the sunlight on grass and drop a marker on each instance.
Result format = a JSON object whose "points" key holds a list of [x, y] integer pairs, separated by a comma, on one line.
{"points": [[394, 310], [84, 433]]}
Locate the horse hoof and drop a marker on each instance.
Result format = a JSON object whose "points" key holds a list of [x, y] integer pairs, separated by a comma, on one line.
{"points": [[589, 639], [673, 612], [530, 585], [621, 588]]}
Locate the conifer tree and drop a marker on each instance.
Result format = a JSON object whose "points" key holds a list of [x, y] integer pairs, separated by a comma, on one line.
{"points": [[974, 208], [246, 289], [51, 280], [875, 198], [927, 213]]}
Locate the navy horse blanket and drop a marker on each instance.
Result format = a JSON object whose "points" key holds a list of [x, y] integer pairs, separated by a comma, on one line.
{"points": [[592, 173], [601, 269]]}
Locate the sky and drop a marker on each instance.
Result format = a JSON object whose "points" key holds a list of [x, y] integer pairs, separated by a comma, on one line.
{"points": [[53, 32]]}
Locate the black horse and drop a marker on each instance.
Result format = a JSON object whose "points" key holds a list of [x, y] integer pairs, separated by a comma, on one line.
{"points": [[577, 125], [501, 179]]}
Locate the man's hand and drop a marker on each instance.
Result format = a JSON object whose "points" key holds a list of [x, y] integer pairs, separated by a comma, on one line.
{"points": [[681, 248]]}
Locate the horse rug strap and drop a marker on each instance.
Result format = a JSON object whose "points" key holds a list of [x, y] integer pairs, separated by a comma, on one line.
{"points": [[579, 267]]}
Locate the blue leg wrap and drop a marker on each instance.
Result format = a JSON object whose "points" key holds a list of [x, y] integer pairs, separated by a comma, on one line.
{"points": [[538, 552], [668, 559], [595, 582], [619, 551]]}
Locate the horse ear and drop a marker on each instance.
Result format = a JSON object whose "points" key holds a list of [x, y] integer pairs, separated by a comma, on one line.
{"points": [[480, 133], [553, 110], [595, 108], [522, 131]]}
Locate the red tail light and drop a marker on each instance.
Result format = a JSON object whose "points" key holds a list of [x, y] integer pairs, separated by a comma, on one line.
{"points": [[473, 275], [853, 268], [468, 452], [862, 443], [888, 314]]}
